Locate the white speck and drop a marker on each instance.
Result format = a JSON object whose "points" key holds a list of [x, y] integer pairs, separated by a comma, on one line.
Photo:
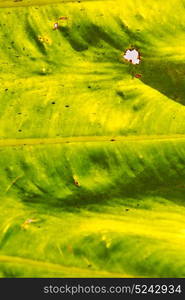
{"points": [[29, 221], [132, 56], [56, 26]]}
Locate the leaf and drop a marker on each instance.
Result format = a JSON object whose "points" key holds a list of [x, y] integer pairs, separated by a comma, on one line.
{"points": [[92, 147]]}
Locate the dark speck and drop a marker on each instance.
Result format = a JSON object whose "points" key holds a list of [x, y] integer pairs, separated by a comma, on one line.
{"points": [[6, 90], [66, 105], [53, 102], [126, 209], [19, 130], [112, 140], [89, 87]]}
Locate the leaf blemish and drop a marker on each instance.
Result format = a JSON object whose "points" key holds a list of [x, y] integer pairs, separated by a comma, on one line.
{"points": [[55, 26], [76, 182], [133, 56], [138, 75]]}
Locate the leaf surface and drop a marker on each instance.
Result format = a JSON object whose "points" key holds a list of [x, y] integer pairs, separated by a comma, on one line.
{"points": [[92, 156]]}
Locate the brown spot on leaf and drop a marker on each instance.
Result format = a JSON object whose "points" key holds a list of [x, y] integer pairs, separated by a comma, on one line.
{"points": [[76, 182], [63, 18], [138, 75]]}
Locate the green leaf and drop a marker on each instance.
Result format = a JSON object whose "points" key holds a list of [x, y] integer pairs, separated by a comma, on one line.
{"points": [[92, 148]]}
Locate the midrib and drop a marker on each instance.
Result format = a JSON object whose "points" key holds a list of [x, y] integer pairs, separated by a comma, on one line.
{"points": [[89, 139], [53, 267], [23, 3]]}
